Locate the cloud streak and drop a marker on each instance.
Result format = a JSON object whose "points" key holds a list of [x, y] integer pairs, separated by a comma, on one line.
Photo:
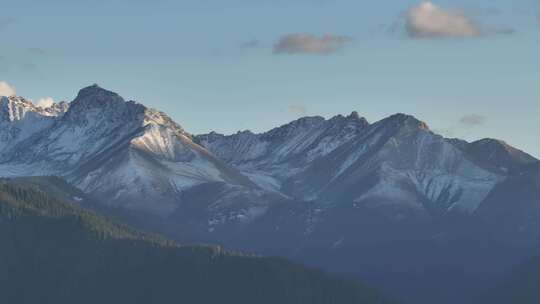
{"points": [[6, 89], [472, 120], [310, 44]]}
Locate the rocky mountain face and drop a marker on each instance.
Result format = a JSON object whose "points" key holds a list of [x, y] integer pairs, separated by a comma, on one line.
{"points": [[135, 157], [284, 151], [396, 163], [340, 193]]}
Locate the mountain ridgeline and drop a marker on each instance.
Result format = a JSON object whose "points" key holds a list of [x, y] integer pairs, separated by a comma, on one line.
{"points": [[339, 193], [54, 251]]}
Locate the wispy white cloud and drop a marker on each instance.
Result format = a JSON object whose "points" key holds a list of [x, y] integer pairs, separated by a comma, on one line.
{"points": [[45, 102], [310, 44], [428, 20], [7, 89]]}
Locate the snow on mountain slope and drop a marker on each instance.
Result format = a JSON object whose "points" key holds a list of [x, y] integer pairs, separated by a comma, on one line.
{"points": [[275, 155], [141, 159], [440, 172], [395, 160], [121, 150], [20, 119]]}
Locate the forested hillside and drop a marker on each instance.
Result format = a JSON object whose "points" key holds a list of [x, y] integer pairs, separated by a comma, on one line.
{"points": [[54, 251]]}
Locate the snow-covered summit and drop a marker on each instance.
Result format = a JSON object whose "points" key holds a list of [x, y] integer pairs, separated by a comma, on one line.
{"points": [[99, 104], [121, 149], [406, 121]]}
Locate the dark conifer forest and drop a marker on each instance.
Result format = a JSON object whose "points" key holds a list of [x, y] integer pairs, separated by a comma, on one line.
{"points": [[54, 251]]}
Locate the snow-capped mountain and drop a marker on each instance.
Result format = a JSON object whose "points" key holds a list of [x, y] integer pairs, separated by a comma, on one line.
{"points": [[395, 162], [323, 191], [139, 158], [135, 157], [271, 157]]}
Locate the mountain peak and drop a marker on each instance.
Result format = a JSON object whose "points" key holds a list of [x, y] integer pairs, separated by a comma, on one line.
{"points": [[99, 105], [354, 114], [96, 94], [406, 120], [491, 141], [245, 133]]}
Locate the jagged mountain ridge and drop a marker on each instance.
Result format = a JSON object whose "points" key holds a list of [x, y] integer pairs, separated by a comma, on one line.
{"points": [[317, 159], [279, 153], [118, 149], [125, 151]]}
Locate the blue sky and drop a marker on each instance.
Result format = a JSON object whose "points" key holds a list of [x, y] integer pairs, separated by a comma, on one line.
{"points": [[239, 64]]}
